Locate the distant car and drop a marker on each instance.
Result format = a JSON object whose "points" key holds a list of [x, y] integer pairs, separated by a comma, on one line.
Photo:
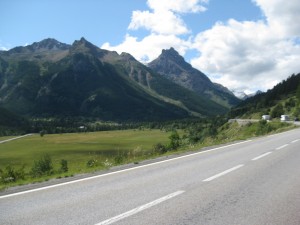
{"points": [[296, 119]]}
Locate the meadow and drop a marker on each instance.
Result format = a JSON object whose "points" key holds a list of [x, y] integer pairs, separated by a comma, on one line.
{"points": [[84, 152], [37, 158]]}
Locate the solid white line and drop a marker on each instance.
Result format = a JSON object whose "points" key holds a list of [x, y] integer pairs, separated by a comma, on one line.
{"points": [[281, 147], [261, 156], [120, 171], [223, 173], [140, 208], [295, 141]]}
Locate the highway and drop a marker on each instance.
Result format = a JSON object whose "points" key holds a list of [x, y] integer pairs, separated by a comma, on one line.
{"points": [[249, 182]]}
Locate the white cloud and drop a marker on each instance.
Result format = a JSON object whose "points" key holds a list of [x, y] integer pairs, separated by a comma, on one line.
{"points": [[252, 55], [282, 15], [3, 46], [149, 47], [165, 25], [241, 55], [159, 22], [180, 6], [165, 16]]}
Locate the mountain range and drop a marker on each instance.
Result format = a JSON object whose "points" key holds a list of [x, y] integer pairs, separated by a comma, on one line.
{"points": [[53, 79]]}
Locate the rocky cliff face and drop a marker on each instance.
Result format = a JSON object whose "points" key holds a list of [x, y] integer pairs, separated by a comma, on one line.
{"points": [[173, 66]]}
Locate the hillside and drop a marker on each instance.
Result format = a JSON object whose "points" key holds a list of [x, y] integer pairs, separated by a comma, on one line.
{"points": [[282, 99], [11, 124], [173, 66], [52, 79]]}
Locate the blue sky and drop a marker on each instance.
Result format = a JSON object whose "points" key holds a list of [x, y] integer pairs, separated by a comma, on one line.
{"points": [[243, 44]]}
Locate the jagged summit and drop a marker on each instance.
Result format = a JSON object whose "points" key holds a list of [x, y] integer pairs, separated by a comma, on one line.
{"points": [[127, 56], [171, 55], [83, 43], [174, 67], [48, 44]]}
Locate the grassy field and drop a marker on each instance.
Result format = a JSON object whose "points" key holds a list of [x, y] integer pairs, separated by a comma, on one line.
{"points": [[88, 152], [79, 148]]}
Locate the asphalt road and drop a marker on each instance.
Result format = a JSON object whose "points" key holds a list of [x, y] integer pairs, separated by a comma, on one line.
{"points": [[251, 182]]}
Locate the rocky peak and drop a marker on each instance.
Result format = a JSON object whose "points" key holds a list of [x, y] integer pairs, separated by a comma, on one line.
{"points": [[85, 46], [171, 60], [173, 66], [172, 55], [48, 44], [127, 56]]}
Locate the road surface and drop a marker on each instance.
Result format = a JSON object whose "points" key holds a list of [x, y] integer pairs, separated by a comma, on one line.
{"points": [[250, 182]]}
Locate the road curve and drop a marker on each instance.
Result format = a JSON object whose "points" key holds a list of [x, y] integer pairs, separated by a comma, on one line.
{"points": [[252, 182]]}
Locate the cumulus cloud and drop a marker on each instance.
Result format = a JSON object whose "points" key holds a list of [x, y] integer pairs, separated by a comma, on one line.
{"points": [[165, 25], [241, 55], [162, 23], [251, 55], [180, 6], [149, 47], [282, 15]]}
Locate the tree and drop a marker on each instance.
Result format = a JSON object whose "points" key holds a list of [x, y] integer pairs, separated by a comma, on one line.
{"points": [[174, 140], [277, 111], [298, 94]]}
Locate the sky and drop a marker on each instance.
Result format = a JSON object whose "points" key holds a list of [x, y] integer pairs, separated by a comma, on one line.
{"points": [[245, 45]]}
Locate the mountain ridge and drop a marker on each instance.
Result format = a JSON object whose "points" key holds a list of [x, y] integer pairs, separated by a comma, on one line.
{"points": [[84, 80]]}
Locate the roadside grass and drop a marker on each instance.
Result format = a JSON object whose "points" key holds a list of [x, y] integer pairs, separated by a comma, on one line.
{"points": [[90, 152], [84, 152]]}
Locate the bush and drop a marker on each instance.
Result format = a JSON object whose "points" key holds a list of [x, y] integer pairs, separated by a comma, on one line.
{"points": [[42, 167], [11, 175], [64, 166], [277, 111], [92, 163], [119, 159], [160, 148], [174, 140]]}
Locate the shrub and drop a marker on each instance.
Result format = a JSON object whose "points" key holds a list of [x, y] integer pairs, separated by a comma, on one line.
{"points": [[42, 133], [92, 163], [11, 175], [160, 148], [64, 166], [42, 167], [174, 140], [119, 159]]}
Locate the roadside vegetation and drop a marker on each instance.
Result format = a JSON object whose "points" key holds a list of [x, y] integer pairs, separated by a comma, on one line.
{"points": [[64, 147], [39, 157]]}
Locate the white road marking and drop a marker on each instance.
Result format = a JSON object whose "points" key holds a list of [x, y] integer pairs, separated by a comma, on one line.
{"points": [[139, 209], [281, 147], [223, 173], [120, 171], [295, 141], [261, 156]]}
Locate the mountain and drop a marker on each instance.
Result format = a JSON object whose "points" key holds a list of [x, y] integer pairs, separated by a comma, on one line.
{"points": [[173, 66], [284, 98], [243, 96], [12, 124], [52, 79]]}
